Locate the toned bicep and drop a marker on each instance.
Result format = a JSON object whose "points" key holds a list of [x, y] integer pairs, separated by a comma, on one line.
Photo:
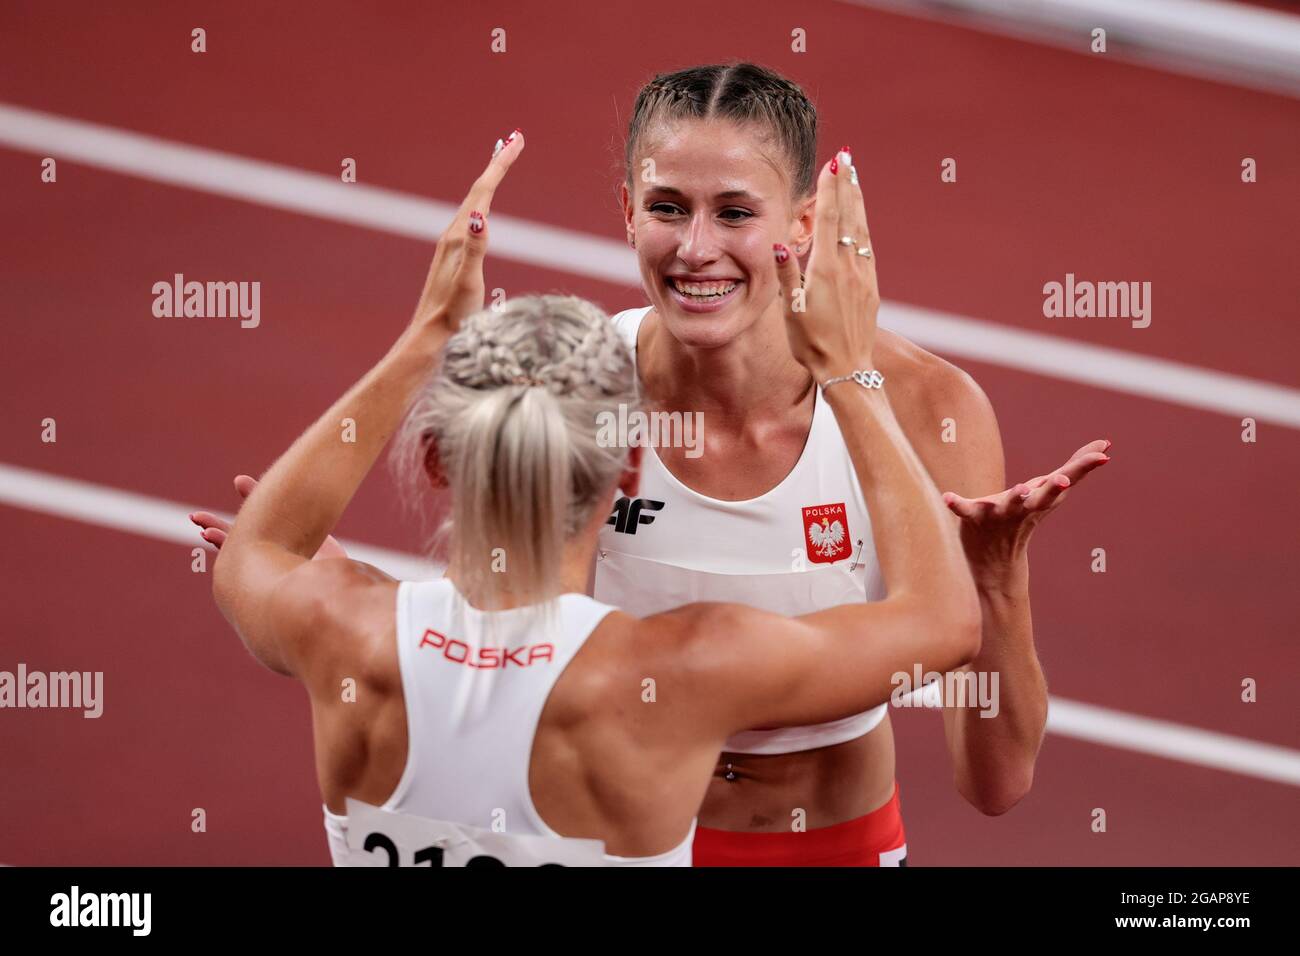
{"points": [[286, 610], [246, 582]]}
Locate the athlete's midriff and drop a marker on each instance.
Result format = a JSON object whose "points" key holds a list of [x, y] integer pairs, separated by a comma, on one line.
{"points": [[762, 793]]}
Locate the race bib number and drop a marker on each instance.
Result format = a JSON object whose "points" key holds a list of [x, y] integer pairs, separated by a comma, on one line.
{"points": [[378, 837]]}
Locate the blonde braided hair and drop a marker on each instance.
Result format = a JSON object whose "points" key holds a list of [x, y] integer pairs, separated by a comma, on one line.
{"points": [[512, 414]]}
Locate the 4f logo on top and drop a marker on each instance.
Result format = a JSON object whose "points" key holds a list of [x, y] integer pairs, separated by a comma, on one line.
{"points": [[630, 512], [826, 533]]}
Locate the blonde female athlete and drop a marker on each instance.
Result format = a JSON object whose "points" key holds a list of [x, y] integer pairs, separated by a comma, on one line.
{"points": [[499, 715]]}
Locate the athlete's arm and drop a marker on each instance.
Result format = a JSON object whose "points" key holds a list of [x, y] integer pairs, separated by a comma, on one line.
{"points": [[752, 668], [259, 580], [994, 742], [213, 528]]}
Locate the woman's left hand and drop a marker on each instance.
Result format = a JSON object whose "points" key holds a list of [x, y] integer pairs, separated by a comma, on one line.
{"points": [[995, 529], [455, 288]]}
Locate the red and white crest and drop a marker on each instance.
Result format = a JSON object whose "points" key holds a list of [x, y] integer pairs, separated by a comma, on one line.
{"points": [[826, 533]]}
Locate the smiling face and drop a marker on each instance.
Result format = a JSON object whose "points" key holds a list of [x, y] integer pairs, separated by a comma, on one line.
{"points": [[704, 218]]}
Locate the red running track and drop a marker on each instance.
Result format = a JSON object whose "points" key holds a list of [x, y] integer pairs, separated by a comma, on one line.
{"points": [[1066, 163]]}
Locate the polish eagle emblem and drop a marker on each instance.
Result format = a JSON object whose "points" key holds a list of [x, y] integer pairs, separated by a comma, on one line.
{"points": [[827, 529], [826, 537]]}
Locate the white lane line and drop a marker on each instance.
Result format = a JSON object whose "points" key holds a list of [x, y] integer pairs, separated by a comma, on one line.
{"points": [[1162, 738], [578, 254], [300, 191], [1228, 42], [1095, 365], [154, 517], [166, 520]]}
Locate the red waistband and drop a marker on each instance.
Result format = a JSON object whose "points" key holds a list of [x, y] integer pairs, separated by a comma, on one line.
{"points": [[852, 843]]}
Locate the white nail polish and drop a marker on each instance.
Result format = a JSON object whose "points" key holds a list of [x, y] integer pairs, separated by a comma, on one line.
{"points": [[500, 146]]}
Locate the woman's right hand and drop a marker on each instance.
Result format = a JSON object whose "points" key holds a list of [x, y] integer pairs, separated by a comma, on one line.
{"points": [[214, 528], [831, 320]]}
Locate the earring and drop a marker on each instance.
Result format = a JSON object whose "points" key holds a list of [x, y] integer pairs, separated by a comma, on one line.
{"points": [[631, 240]]}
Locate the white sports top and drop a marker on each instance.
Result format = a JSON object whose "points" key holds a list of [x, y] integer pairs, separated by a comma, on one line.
{"points": [[803, 546], [474, 697]]}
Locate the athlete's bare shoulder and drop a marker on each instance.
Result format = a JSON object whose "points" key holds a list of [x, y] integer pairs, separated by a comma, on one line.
{"points": [[679, 642], [945, 415], [921, 378], [627, 660], [343, 615]]}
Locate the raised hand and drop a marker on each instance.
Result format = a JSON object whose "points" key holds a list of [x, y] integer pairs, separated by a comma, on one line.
{"points": [[996, 529], [831, 320], [454, 288]]}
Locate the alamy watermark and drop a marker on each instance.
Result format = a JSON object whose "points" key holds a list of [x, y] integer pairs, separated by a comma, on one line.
{"points": [[953, 689], [130, 910], [212, 300], [72, 689], [1103, 300], [631, 428]]}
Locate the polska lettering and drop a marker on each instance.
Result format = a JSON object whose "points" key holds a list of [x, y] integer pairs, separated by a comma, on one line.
{"points": [[487, 658], [217, 300]]}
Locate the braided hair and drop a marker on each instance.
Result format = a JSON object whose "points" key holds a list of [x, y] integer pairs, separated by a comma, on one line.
{"points": [[742, 93], [512, 414]]}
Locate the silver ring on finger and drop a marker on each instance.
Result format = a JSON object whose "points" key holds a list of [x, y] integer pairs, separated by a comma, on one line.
{"points": [[848, 241], [864, 252]]}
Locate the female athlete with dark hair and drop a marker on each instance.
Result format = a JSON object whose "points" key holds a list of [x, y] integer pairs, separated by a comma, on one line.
{"points": [[719, 159]]}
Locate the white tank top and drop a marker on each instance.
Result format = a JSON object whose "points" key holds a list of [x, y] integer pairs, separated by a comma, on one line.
{"points": [[474, 697], [803, 546]]}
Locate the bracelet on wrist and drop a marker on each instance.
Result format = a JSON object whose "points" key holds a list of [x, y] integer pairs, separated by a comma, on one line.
{"points": [[867, 378]]}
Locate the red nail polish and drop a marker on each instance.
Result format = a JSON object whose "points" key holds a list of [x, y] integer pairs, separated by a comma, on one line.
{"points": [[782, 253], [835, 165], [475, 222]]}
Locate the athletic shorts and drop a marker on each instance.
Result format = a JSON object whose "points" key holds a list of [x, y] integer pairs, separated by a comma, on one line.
{"points": [[876, 839]]}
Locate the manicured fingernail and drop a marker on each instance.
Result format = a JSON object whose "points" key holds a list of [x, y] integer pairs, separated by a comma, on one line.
{"points": [[781, 252], [853, 175], [475, 222], [511, 137], [835, 165], [847, 154], [498, 147]]}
